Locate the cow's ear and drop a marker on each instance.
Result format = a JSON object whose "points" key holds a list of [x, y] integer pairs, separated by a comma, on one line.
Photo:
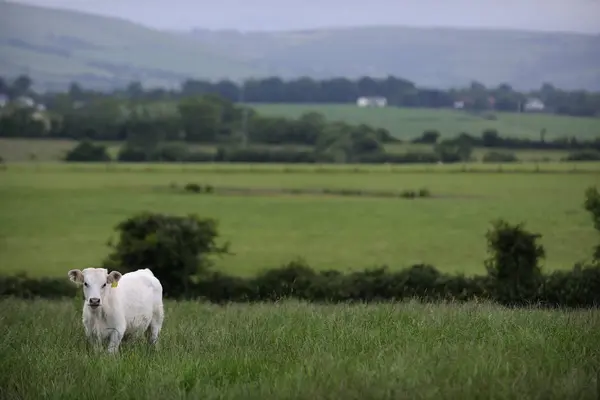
{"points": [[76, 276], [114, 277]]}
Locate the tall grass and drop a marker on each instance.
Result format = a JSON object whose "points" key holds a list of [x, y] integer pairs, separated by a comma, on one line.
{"points": [[293, 350]]}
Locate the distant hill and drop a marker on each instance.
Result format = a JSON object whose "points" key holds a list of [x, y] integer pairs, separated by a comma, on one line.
{"points": [[56, 47], [435, 57]]}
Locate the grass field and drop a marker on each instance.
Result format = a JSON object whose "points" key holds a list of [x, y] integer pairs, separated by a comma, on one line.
{"points": [[54, 217], [296, 351], [406, 123]]}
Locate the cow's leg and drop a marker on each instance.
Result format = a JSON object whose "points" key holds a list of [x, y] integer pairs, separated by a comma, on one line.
{"points": [[155, 326], [114, 340]]}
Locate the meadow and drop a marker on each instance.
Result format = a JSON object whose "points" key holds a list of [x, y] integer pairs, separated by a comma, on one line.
{"points": [[293, 350], [54, 217], [407, 123]]}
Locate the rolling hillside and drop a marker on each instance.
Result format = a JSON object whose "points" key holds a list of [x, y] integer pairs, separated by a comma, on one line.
{"points": [[56, 47], [427, 56]]}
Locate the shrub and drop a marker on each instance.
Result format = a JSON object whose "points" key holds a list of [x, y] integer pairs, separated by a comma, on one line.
{"points": [[199, 156], [428, 137], [130, 153], [592, 204], [192, 187], [265, 155], [424, 192], [583, 155], [408, 194], [577, 288], [29, 288], [411, 157], [170, 152], [499, 157], [86, 151], [513, 263], [176, 249]]}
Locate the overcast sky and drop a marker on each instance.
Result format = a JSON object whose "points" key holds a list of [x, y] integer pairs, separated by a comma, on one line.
{"points": [[564, 15]]}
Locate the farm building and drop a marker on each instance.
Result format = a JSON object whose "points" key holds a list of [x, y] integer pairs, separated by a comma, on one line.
{"points": [[534, 104], [371, 102]]}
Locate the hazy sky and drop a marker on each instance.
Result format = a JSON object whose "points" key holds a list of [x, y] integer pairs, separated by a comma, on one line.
{"points": [[565, 15]]}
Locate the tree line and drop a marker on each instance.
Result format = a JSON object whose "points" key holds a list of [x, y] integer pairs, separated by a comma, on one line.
{"points": [[398, 92], [155, 131]]}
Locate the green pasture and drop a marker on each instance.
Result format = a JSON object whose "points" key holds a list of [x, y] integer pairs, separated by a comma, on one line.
{"points": [[407, 123], [54, 217], [298, 351]]}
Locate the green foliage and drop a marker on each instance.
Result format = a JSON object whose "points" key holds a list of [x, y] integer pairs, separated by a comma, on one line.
{"points": [[584, 155], [592, 204], [22, 122], [87, 151], [454, 150], [192, 187], [129, 153], [428, 137], [513, 263], [197, 188], [177, 249], [499, 157], [264, 155]]}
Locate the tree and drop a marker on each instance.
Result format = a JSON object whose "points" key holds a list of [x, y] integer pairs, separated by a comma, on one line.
{"points": [[178, 249], [21, 86], [592, 205], [513, 262], [86, 151], [201, 118]]}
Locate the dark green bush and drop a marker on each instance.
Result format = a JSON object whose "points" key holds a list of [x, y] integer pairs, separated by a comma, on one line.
{"points": [[583, 155], [199, 156], [29, 288], [411, 157], [592, 205], [424, 192], [499, 157], [130, 153], [86, 151], [192, 187], [513, 263], [169, 152], [261, 155], [578, 288], [408, 194], [177, 249]]}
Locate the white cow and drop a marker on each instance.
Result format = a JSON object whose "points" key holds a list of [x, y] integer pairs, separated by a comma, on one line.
{"points": [[118, 305]]}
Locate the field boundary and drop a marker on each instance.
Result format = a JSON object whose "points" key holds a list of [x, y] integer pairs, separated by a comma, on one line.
{"points": [[272, 168]]}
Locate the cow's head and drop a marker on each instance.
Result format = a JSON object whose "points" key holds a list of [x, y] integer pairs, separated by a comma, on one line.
{"points": [[96, 283]]}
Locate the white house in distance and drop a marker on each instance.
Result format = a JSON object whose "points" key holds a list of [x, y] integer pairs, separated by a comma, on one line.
{"points": [[459, 104], [376, 101], [534, 104]]}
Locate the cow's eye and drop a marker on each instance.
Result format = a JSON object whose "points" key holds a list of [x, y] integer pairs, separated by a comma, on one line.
{"points": [[85, 284], [104, 285]]}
